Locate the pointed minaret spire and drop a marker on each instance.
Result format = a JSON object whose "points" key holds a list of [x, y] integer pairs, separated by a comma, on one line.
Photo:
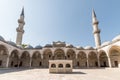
{"points": [[20, 28], [22, 13], [94, 17], [93, 13], [96, 30]]}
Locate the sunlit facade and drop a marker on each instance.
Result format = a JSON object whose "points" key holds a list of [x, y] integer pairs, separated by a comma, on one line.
{"points": [[13, 54]]}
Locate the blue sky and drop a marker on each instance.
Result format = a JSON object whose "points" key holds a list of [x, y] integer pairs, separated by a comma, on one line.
{"points": [[60, 20]]}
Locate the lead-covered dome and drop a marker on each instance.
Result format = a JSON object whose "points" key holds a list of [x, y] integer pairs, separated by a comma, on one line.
{"points": [[38, 47], [11, 43], [69, 45], [48, 45], [1, 38], [79, 47], [28, 47], [116, 38]]}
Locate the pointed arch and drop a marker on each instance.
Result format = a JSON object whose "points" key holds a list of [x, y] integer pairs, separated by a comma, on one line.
{"points": [[36, 59], [70, 54], [81, 59], [14, 59], [59, 54], [47, 54], [103, 59], [92, 59], [25, 59]]}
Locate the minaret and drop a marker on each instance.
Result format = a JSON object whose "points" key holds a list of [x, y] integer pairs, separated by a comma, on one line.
{"points": [[96, 30], [19, 29]]}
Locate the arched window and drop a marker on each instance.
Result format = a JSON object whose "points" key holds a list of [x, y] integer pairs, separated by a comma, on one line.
{"points": [[67, 65], [60, 65], [53, 65]]}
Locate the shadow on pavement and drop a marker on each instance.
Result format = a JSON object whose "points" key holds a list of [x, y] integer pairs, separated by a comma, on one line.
{"points": [[70, 73], [10, 70]]}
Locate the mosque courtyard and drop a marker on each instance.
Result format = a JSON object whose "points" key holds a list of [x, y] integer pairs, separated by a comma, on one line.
{"points": [[43, 74]]}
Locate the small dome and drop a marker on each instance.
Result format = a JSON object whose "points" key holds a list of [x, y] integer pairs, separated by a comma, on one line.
{"points": [[28, 47], [116, 38], [79, 47], [11, 43], [38, 47], [48, 45], [69, 45], [1, 38], [89, 47], [105, 43]]}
